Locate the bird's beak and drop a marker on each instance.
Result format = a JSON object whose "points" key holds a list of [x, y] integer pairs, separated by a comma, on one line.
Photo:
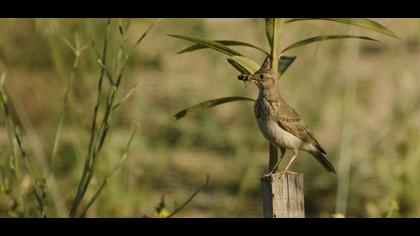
{"points": [[246, 78]]}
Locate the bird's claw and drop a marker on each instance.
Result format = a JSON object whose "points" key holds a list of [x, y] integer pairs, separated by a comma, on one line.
{"points": [[269, 174]]}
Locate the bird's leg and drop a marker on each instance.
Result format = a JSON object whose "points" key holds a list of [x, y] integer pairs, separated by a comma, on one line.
{"points": [[283, 151], [290, 163]]}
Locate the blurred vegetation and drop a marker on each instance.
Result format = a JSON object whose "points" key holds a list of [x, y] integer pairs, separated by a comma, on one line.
{"points": [[361, 99]]}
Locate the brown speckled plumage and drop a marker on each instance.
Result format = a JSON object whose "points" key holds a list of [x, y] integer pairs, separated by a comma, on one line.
{"points": [[280, 123]]}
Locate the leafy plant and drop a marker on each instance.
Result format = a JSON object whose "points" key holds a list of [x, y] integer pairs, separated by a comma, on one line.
{"points": [[19, 155], [112, 72], [279, 61], [103, 110]]}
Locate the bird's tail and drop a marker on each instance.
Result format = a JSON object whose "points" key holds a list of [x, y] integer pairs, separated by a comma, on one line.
{"points": [[323, 160]]}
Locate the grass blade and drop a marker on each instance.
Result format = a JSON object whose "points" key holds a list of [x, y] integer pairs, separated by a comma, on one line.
{"points": [[145, 33], [110, 173], [15, 142], [224, 42], [322, 38], [208, 43], [205, 105], [126, 97], [176, 210], [359, 22]]}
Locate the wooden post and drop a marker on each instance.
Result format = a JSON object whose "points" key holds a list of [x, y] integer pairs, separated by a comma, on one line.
{"points": [[283, 198]]}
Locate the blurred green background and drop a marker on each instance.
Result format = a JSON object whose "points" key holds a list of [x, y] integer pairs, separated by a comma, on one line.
{"points": [[361, 100]]}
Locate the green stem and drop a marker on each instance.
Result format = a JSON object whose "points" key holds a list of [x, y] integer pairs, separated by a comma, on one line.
{"points": [[16, 145], [87, 168], [63, 113], [275, 54], [277, 27]]}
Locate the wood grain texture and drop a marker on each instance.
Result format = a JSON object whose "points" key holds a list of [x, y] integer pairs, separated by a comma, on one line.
{"points": [[283, 195]]}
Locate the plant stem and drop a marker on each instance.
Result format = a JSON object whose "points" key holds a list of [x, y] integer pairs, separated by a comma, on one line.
{"points": [[63, 113], [87, 168], [275, 54], [99, 135], [16, 144], [277, 26]]}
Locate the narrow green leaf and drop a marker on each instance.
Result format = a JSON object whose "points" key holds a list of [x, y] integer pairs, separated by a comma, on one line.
{"points": [[110, 173], [190, 198], [238, 67], [208, 43], [224, 42], [69, 45], [243, 64], [285, 62], [145, 32], [127, 96], [206, 105], [359, 22], [322, 38]]}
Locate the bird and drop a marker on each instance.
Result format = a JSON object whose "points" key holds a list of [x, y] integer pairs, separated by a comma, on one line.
{"points": [[279, 122]]}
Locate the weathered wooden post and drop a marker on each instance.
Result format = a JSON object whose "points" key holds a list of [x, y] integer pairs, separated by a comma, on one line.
{"points": [[283, 195]]}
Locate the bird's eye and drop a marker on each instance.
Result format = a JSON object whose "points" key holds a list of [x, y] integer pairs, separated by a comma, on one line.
{"points": [[261, 76]]}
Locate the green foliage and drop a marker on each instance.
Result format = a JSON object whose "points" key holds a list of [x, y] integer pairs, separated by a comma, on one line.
{"points": [[284, 63], [205, 105], [273, 29], [209, 43], [19, 154], [99, 131], [225, 43], [359, 22], [224, 141], [322, 38], [243, 64]]}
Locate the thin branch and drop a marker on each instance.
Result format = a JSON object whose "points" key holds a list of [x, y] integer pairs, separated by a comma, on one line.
{"points": [[109, 175]]}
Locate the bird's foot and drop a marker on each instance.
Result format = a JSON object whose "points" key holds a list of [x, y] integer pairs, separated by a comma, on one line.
{"points": [[270, 173], [281, 173]]}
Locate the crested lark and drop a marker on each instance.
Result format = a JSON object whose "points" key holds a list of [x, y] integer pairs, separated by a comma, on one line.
{"points": [[279, 122]]}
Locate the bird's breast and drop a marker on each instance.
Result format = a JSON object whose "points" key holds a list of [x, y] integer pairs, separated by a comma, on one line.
{"points": [[271, 130]]}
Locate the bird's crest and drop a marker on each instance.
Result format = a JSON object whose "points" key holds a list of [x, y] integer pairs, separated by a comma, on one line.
{"points": [[265, 66]]}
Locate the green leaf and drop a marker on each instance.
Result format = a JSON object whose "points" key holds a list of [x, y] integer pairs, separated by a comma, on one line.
{"points": [[208, 43], [146, 32], [224, 42], [238, 66], [359, 22], [247, 66], [322, 38], [205, 105], [285, 62]]}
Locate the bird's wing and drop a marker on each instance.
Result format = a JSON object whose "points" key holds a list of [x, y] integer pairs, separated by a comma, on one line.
{"points": [[291, 121]]}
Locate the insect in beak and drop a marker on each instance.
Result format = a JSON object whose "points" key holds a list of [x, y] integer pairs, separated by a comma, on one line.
{"points": [[247, 79]]}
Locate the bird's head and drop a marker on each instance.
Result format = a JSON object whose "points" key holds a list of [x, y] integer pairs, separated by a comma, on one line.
{"points": [[264, 78]]}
